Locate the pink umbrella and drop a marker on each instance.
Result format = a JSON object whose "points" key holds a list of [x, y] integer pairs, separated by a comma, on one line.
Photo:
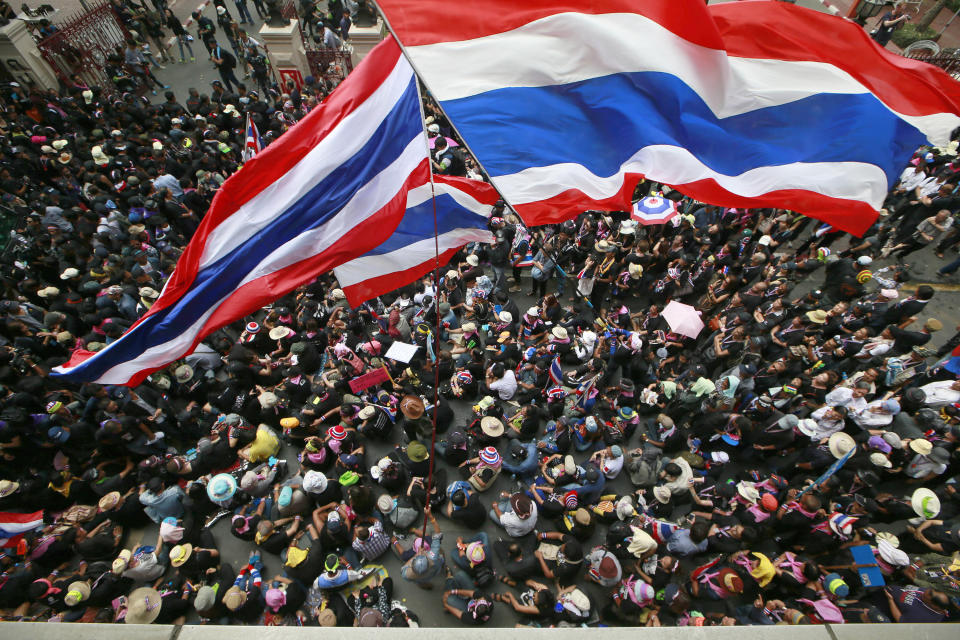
{"points": [[451, 143], [683, 319]]}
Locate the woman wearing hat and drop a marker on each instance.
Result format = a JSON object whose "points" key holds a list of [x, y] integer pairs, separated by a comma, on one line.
{"points": [[146, 606], [193, 562]]}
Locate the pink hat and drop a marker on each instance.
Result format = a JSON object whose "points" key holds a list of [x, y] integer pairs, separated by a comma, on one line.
{"points": [[275, 599], [475, 553]]}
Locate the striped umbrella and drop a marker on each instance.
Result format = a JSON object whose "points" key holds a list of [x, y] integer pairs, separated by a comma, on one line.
{"points": [[654, 210]]}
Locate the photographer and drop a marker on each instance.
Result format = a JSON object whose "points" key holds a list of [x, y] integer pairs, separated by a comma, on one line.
{"points": [[890, 22]]}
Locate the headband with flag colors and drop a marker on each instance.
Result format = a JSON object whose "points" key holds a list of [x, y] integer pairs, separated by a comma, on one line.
{"points": [[463, 211], [744, 104], [329, 190]]}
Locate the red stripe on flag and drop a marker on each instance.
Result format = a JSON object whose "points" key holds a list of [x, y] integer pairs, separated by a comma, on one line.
{"points": [[10, 517], [852, 216], [757, 30], [273, 162], [419, 22], [253, 295], [381, 284]]}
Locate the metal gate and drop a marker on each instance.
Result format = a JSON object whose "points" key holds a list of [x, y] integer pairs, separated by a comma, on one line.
{"points": [[82, 43], [331, 64]]}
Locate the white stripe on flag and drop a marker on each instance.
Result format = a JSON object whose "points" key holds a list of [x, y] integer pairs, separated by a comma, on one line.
{"points": [[625, 43], [344, 141]]}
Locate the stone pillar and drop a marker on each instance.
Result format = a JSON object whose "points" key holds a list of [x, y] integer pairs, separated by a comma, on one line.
{"points": [[363, 39], [21, 58], [285, 47]]}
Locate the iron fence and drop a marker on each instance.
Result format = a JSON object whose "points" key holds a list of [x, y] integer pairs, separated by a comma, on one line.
{"points": [[82, 43], [329, 63], [948, 60]]}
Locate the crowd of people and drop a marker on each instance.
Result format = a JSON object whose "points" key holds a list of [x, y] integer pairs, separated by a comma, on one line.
{"points": [[591, 465]]}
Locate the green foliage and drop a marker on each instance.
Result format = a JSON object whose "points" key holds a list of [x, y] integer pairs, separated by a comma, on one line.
{"points": [[909, 33]]}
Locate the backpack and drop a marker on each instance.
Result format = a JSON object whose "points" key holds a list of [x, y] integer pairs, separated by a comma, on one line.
{"points": [[642, 473], [229, 61], [206, 26]]}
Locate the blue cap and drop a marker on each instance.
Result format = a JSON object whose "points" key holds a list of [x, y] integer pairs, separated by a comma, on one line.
{"points": [[286, 494], [58, 434]]}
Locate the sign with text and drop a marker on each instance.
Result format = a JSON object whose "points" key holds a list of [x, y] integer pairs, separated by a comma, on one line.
{"points": [[369, 379]]}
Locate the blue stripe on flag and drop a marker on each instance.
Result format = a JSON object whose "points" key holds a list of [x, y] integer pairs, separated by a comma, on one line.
{"points": [[217, 280], [599, 123], [417, 223]]}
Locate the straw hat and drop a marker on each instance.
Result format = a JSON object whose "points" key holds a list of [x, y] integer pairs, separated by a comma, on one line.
{"points": [[109, 501], [748, 491], [77, 592], [121, 562], [492, 427], [234, 598], [889, 538], [183, 373], [807, 427], [559, 332], [327, 618], [641, 542], [143, 606], [180, 554], [923, 447], [925, 503], [367, 412], [662, 494], [817, 316], [280, 332], [880, 460], [385, 503], [7, 487], [840, 444]]}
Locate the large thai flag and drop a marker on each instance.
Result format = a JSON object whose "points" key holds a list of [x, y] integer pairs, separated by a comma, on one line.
{"points": [[14, 525], [743, 104], [330, 189], [463, 211]]}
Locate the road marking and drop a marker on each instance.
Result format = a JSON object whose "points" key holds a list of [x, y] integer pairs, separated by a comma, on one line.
{"points": [[939, 286]]}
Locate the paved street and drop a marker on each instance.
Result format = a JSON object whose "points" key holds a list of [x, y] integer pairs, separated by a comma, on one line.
{"points": [[199, 74], [426, 603]]}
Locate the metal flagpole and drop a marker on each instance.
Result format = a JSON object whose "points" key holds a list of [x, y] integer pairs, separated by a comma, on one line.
{"points": [[440, 106], [436, 307]]}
